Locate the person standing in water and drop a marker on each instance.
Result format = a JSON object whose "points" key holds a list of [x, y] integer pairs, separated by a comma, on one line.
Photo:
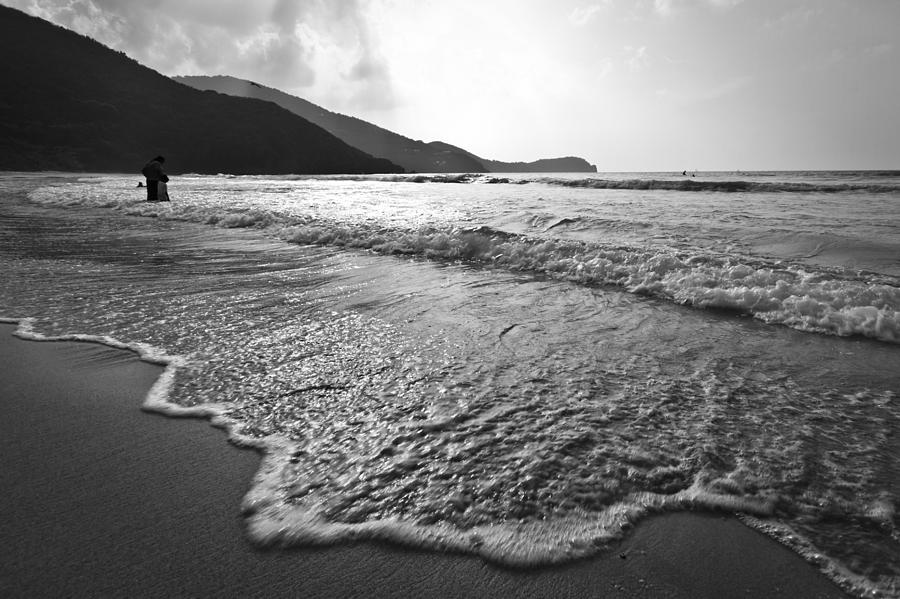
{"points": [[153, 171]]}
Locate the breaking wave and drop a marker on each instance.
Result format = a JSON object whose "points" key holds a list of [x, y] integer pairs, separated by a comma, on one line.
{"points": [[814, 299], [691, 184], [721, 186]]}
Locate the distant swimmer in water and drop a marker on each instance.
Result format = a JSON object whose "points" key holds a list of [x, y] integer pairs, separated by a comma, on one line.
{"points": [[684, 173]]}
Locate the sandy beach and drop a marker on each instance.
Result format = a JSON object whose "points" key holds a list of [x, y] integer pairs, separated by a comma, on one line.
{"points": [[102, 499]]}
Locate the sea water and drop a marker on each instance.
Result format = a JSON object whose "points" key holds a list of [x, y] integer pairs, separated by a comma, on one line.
{"points": [[516, 366]]}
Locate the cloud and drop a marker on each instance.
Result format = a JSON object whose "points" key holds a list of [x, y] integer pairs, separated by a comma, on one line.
{"points": [[663, 7], [792, 20], [604, 67], [879, 50], [636, 58], [582, 15], [709, 94], [666, 8], [320, 47]]}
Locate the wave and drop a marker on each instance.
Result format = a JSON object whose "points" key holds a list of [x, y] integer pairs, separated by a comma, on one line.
{"points": [[814, 299], [639, 183], [733, 186], [819, 301]]}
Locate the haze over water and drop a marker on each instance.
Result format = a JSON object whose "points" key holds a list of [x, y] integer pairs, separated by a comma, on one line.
{"points": [[516, 366]]}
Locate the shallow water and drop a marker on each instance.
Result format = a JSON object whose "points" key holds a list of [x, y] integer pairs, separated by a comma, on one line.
{"points": [[519, 370]]}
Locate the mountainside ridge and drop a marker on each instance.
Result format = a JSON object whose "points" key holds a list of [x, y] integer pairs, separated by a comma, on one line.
{"points": [[413, 155]]}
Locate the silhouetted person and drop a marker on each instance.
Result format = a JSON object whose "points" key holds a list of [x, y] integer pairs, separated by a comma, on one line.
{"points": [[153, 171]]}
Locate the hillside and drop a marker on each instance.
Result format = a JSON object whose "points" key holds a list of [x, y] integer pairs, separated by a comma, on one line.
{"points": [[568, 164], [413, 155], [72, 104]]}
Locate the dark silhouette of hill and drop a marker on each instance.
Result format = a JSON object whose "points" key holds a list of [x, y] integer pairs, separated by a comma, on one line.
{"points": [[568, 164], [413, 155], [70, 103]]}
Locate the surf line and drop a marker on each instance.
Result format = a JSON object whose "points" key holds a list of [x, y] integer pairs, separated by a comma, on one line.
{"points": [[157, 399]]}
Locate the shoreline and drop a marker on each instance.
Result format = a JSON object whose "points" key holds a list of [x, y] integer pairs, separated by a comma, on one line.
{"points": [[103, 498]]}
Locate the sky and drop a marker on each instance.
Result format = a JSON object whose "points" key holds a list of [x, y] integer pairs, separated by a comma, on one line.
{"points": [[637, 85]]}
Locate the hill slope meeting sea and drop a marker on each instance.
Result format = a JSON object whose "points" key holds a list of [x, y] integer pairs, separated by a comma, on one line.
{"points": [[413, 155], [71, 104]]}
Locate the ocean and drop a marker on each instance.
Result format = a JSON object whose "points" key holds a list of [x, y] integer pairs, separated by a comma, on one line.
{"points": [[516, 366]]}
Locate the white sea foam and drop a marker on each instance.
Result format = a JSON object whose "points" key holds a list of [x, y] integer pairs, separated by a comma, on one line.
{"points": [[157, 399], [273, 520], [857, 585]]}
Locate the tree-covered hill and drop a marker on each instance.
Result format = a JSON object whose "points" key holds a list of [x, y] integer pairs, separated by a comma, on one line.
{"points": [[69, 103]]}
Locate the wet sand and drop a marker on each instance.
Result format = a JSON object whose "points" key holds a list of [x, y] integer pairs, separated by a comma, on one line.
{"points": [[101, 499]]}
